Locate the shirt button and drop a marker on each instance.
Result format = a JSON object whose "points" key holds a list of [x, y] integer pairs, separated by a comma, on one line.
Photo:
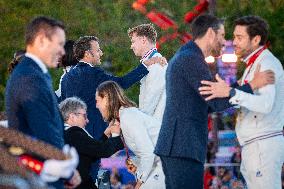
{"points": [[255, 116]]}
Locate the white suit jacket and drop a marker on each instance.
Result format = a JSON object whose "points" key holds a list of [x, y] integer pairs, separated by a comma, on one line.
{"points": [[262, 113], [140, 132], [152, 97]]}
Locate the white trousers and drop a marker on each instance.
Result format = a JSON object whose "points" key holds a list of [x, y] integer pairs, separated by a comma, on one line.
{"points": [[262, 163], [156, 179]]}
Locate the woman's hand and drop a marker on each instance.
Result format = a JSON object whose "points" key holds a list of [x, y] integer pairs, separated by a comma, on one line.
{"points": [[115, 127]]}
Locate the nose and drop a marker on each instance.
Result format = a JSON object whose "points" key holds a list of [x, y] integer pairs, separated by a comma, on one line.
{"points": [[87, 120], [234, 42]]}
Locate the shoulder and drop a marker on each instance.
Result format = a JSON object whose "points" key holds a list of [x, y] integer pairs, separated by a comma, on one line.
{"points": [[130, 115], [74, 131], [269, 61]]}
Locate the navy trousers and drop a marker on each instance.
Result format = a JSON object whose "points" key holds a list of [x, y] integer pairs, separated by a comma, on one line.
{"points": [[182, 173]]}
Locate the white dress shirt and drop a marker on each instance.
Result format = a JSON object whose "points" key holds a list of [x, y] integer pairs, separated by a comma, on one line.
{"points": [[152, 97], [140, 132], [262, 113], [37, 61]]}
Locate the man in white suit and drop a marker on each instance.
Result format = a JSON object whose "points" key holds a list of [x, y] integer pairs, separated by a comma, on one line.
{"points": [[260, 120], [152, 97]]}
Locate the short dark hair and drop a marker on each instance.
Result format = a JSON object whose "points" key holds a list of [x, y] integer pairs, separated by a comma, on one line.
{"points": [[202, 23], [82, 45], [146, 30], [255, 25], [68, 59], [41, 24]]}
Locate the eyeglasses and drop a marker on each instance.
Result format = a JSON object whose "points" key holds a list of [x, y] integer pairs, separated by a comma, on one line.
{"points": [[84, 115]]}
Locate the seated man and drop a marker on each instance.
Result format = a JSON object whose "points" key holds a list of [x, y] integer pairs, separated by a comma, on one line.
{"points": [[90, 150]]}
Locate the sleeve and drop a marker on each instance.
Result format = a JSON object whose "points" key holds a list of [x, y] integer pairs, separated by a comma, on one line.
{"points": [[133, 125], [130, 78], [90, 147], [155, 84], [39, 112], [263, 99], [194, 69], [246, 88]]}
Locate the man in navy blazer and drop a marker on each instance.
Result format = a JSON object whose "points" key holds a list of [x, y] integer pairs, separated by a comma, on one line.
{"points": [[31, 104], [183, 136]]}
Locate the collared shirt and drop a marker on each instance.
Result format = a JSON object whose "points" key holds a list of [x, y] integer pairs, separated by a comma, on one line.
{"points": [[87, 63], [67, 126], [146, 56], [37, 61], [262, 113], [251, 54]]}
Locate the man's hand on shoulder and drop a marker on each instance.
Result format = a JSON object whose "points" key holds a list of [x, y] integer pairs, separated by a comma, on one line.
{"points": [[161, 60], [211, 89], [261, 79]]}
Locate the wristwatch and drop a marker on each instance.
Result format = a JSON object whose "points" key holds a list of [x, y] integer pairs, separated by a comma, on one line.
{"points": [[232, 92]]}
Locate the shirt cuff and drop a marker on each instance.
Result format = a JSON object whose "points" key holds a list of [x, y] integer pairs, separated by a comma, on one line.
{"points": [[144, 65], [235, 100], [114, 135]]}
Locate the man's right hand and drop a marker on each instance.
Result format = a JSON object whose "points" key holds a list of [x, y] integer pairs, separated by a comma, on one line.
{"points": [[262, 79], [161, 60]]}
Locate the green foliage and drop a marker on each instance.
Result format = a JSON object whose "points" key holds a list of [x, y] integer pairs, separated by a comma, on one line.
{"points": [[110, 19]]}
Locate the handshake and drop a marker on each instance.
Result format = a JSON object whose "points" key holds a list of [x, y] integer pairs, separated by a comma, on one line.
{"points": [[54, 169]]}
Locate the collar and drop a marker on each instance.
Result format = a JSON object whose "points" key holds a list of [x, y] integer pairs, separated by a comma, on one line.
{"points": [[251, 54], [87, 63], [67, 126], [193, 46], [37, 61], [148, 54]]}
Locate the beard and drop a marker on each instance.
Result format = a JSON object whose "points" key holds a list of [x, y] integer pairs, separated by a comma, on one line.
{"points": [[217, 51]]}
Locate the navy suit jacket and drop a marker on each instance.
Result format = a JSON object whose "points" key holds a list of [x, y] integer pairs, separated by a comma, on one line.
{"points": [[83, 80], [184, 130], [31, 105]]}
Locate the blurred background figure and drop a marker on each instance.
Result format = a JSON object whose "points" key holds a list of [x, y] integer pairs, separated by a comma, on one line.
{"points": [[67, 61], [18, 55]]}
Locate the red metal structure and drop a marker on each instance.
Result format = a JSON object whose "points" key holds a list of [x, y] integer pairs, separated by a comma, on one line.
{"points": [[165, 23]]}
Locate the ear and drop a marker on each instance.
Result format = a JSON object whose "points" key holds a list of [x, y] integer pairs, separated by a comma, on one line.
{"points": [[87, 54], [256, 40], [40, 41], [144, 39], [210, 33]]}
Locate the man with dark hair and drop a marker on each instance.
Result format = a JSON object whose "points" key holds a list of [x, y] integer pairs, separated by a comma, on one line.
{"points": [[31, 104], [261, 117], [83, 80], [152, 97], [183, 136]]}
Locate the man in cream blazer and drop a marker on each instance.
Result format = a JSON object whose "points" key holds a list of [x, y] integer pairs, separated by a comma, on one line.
{"points": [[152, 97], [261, 117]]}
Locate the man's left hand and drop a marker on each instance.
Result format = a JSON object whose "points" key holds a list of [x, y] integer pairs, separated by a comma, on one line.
{"points": [[219, 89], [161, 60]]}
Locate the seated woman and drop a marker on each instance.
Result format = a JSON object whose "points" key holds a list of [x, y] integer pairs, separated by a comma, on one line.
{"points": [[74, 113], [140, 132]]}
